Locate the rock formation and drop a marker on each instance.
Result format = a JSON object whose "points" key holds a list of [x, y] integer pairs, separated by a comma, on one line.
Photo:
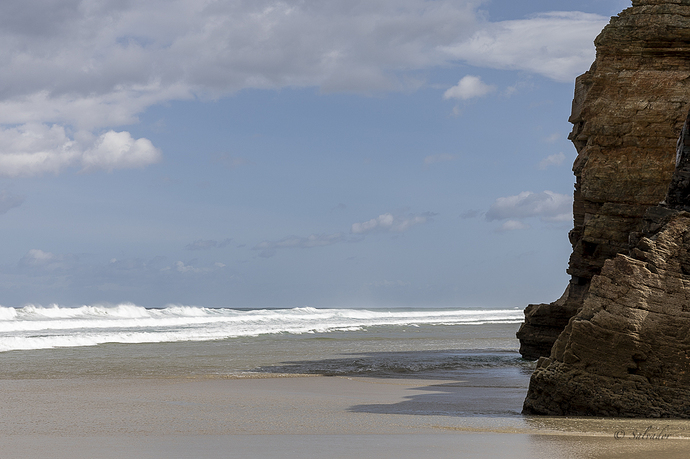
{"points": [[627, 112], [627, 352]]}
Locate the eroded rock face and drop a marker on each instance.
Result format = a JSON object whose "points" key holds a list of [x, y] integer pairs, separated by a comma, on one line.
{"points": [[544, 322], [627, 352], [627, 112]]}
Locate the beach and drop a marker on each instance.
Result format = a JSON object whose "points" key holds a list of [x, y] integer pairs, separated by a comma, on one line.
{"points": [[305, 416], [422, 387]]}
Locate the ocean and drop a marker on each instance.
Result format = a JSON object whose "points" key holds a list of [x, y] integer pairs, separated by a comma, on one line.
{"points": [[126, 340]]}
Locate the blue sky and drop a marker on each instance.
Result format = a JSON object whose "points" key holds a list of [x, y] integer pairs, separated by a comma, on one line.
{"points": [[286, 154]]}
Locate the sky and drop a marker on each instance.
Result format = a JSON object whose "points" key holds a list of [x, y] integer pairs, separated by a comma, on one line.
{"points": [[262, 153]]}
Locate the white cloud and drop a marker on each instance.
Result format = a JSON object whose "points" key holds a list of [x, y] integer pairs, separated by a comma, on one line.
{"points": [[118, 150], [558, 45], [99, 64], [547, 205], [34, 149], [390, 222], [183, 268], [468, 87], [440, 158], [86, 67], [551, 160], [116, 58]]}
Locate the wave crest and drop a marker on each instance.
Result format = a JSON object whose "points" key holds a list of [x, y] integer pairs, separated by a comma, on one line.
{"points": [[38, 327]]}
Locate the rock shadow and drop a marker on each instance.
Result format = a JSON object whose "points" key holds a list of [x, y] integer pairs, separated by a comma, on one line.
{"points": [[458, 399], [480, 382]]}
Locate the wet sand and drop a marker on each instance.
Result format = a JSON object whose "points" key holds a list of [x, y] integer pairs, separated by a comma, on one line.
{"points": [[307, 416]]}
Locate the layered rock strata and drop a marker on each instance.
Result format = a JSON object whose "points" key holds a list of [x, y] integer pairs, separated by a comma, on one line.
{"points": [[627, 352], [627, 112]]}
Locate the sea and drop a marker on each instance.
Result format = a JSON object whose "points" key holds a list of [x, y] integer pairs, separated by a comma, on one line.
{"points": [[131, 341]]}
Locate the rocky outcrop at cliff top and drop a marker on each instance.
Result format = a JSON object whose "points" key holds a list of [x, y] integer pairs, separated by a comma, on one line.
{"points": [[627, 112], [627, 352]]}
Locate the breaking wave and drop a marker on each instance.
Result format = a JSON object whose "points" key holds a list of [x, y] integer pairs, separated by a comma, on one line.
{"points": [[37, 327]]}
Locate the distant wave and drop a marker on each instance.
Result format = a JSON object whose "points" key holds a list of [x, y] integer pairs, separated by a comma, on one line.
{"points": [[37, 327]]}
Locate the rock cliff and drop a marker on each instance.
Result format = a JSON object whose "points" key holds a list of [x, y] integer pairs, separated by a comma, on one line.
{"points": [[627, 351], [626, 115]]}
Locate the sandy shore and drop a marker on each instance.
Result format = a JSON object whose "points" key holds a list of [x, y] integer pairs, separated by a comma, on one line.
{"points": [[297, 417]]}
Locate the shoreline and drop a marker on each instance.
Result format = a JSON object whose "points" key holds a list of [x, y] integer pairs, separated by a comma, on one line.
{"points": [[442, 392], [305, 416]]}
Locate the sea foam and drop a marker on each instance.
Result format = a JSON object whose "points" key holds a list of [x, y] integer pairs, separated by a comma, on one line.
{"points": [[38, 327]]}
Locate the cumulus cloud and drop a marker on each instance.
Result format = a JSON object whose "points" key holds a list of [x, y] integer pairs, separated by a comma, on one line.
{"points": [[118, 150], [468, 87], [391, 223], [547, 205], [34, 149], [551, 160], [558, 45], [72, 68]]}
